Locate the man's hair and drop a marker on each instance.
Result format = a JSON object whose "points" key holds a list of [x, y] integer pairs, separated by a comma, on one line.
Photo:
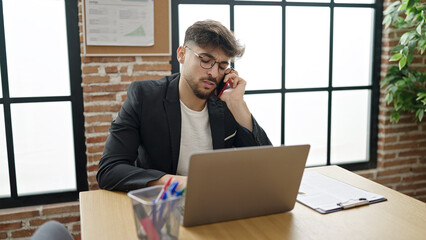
{"points": [[210, 33]]}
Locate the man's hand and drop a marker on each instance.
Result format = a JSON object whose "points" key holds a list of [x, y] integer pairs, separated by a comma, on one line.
{"points": [[237, 87], [234, 98], [165, 178]]}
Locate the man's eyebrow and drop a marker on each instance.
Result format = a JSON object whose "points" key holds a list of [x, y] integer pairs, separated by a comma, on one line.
{"points": [[207, 55], [211, 56]]}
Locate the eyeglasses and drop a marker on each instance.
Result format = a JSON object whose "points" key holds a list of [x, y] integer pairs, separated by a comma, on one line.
{"points": [[207, 62]]}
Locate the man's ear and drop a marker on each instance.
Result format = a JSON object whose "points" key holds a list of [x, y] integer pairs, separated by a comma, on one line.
{"points": [[180, 54]]}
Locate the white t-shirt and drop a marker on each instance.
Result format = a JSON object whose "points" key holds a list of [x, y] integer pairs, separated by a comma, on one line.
{"points": [[195, 135]]}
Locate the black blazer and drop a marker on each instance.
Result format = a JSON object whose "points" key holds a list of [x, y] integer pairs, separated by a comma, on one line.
{"points": [[144, 140]]}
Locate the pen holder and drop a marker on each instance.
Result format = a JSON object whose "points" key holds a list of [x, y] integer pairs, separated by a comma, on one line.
{"points": [[156, 220]]}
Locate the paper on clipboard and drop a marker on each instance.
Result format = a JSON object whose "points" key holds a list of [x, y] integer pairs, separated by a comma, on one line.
{"points": [[326, 195]]}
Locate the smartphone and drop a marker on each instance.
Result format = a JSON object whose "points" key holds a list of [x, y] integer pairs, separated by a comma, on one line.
{"points": [[221, 87]]}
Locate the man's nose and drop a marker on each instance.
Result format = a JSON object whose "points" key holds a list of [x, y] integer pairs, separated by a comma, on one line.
{"points": [[214, 71]]}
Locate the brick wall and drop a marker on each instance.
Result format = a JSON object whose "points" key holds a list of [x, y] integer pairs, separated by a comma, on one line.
{"points": [[105, 82], [401, 147], [21, 223], [401, 162]]}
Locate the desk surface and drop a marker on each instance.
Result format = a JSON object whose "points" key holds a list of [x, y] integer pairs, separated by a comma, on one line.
{"points": [[109, 215]]}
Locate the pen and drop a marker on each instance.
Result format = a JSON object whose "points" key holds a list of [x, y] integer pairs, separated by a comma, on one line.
{"points": [[140, 214], [148, 228], [173, 187], [154, 213], [180, 192], [356, 204], [160, 195], [166, 210], [161, 217]]}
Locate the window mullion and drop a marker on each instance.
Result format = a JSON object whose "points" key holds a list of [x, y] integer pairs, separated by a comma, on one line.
{"points": [[6, 108], [283, 59], [330, 83], [77, 108]]}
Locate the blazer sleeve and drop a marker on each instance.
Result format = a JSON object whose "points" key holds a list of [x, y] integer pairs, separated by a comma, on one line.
{"points": [[246, 138], [117, 170]]}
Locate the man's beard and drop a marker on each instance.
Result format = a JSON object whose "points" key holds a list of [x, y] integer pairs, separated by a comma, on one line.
{"points": [[197, 92]]}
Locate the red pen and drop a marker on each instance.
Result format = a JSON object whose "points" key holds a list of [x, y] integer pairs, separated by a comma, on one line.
{"points": [[223, 89], [160, 196]]}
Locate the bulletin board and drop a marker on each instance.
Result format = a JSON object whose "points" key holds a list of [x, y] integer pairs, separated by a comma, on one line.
{"points": [[162, 36]]}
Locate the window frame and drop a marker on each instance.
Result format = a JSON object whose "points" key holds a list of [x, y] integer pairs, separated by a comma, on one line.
{"points": [[76, 99], [374, 86]]}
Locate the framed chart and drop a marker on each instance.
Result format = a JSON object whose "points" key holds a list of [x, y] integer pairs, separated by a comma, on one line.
{"points": [[126, 28]]}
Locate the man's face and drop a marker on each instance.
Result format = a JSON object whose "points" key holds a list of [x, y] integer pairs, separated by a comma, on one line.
{"points": [[202, 81]]}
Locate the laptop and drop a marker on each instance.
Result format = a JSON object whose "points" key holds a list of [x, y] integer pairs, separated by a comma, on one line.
{"points": [[231, 184]]}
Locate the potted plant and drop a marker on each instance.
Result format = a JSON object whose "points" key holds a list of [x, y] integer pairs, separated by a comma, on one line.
{"points": [[405, 86]]}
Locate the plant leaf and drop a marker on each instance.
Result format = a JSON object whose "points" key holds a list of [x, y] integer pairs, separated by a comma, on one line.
{"points": [[394, 117], [389, 98], [410, 57], [396, 57], [391, 7], [422, 42], [410, 17], [387, 21], [403, 6], [412, 45], [419, 27], [402, 62], [407, 37], [405, 50], [420, 96], [419, 114], [398, 48]]}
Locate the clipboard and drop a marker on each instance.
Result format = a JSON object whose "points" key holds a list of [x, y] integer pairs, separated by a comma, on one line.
{"points": [[326, 195]]}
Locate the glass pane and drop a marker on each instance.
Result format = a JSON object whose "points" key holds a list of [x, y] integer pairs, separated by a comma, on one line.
{"points": [[354, 1], [306, 123], [4, 167], [307, 47], [37, 48], [266, 109], [350, 126], [190, 13], [44, 147], [353, 41], [261, 65]]}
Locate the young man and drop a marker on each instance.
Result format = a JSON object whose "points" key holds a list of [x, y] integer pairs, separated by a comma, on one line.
{"points": [[163, 122]]}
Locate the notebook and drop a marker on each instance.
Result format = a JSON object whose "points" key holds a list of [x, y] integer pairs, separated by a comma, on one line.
{"points": [[240, 183]]}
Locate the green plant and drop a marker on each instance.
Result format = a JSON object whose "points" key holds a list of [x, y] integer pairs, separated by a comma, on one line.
{"points": [[406, 87]]}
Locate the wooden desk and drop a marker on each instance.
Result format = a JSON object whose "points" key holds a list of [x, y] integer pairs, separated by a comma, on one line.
{"points": [[109, 215]]}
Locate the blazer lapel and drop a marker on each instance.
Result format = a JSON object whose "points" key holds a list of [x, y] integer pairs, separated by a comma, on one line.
{"points": [[216, 117], [172, 107]]}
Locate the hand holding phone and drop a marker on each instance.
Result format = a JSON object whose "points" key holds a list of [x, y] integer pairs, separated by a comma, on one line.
{"points": [[223, 88]]}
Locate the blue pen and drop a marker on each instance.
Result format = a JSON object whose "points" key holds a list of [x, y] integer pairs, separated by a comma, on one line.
{"points": [[173, 187], [180, 192], [164, 196], [161, 220], [169, 208], [154, 212]]}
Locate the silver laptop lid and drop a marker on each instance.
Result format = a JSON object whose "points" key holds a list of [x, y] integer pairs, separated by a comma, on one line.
{"points": [[244, 182]]}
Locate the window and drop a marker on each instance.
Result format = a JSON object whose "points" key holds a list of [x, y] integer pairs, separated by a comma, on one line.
{"points": [[312, 69], [42, 152]]}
